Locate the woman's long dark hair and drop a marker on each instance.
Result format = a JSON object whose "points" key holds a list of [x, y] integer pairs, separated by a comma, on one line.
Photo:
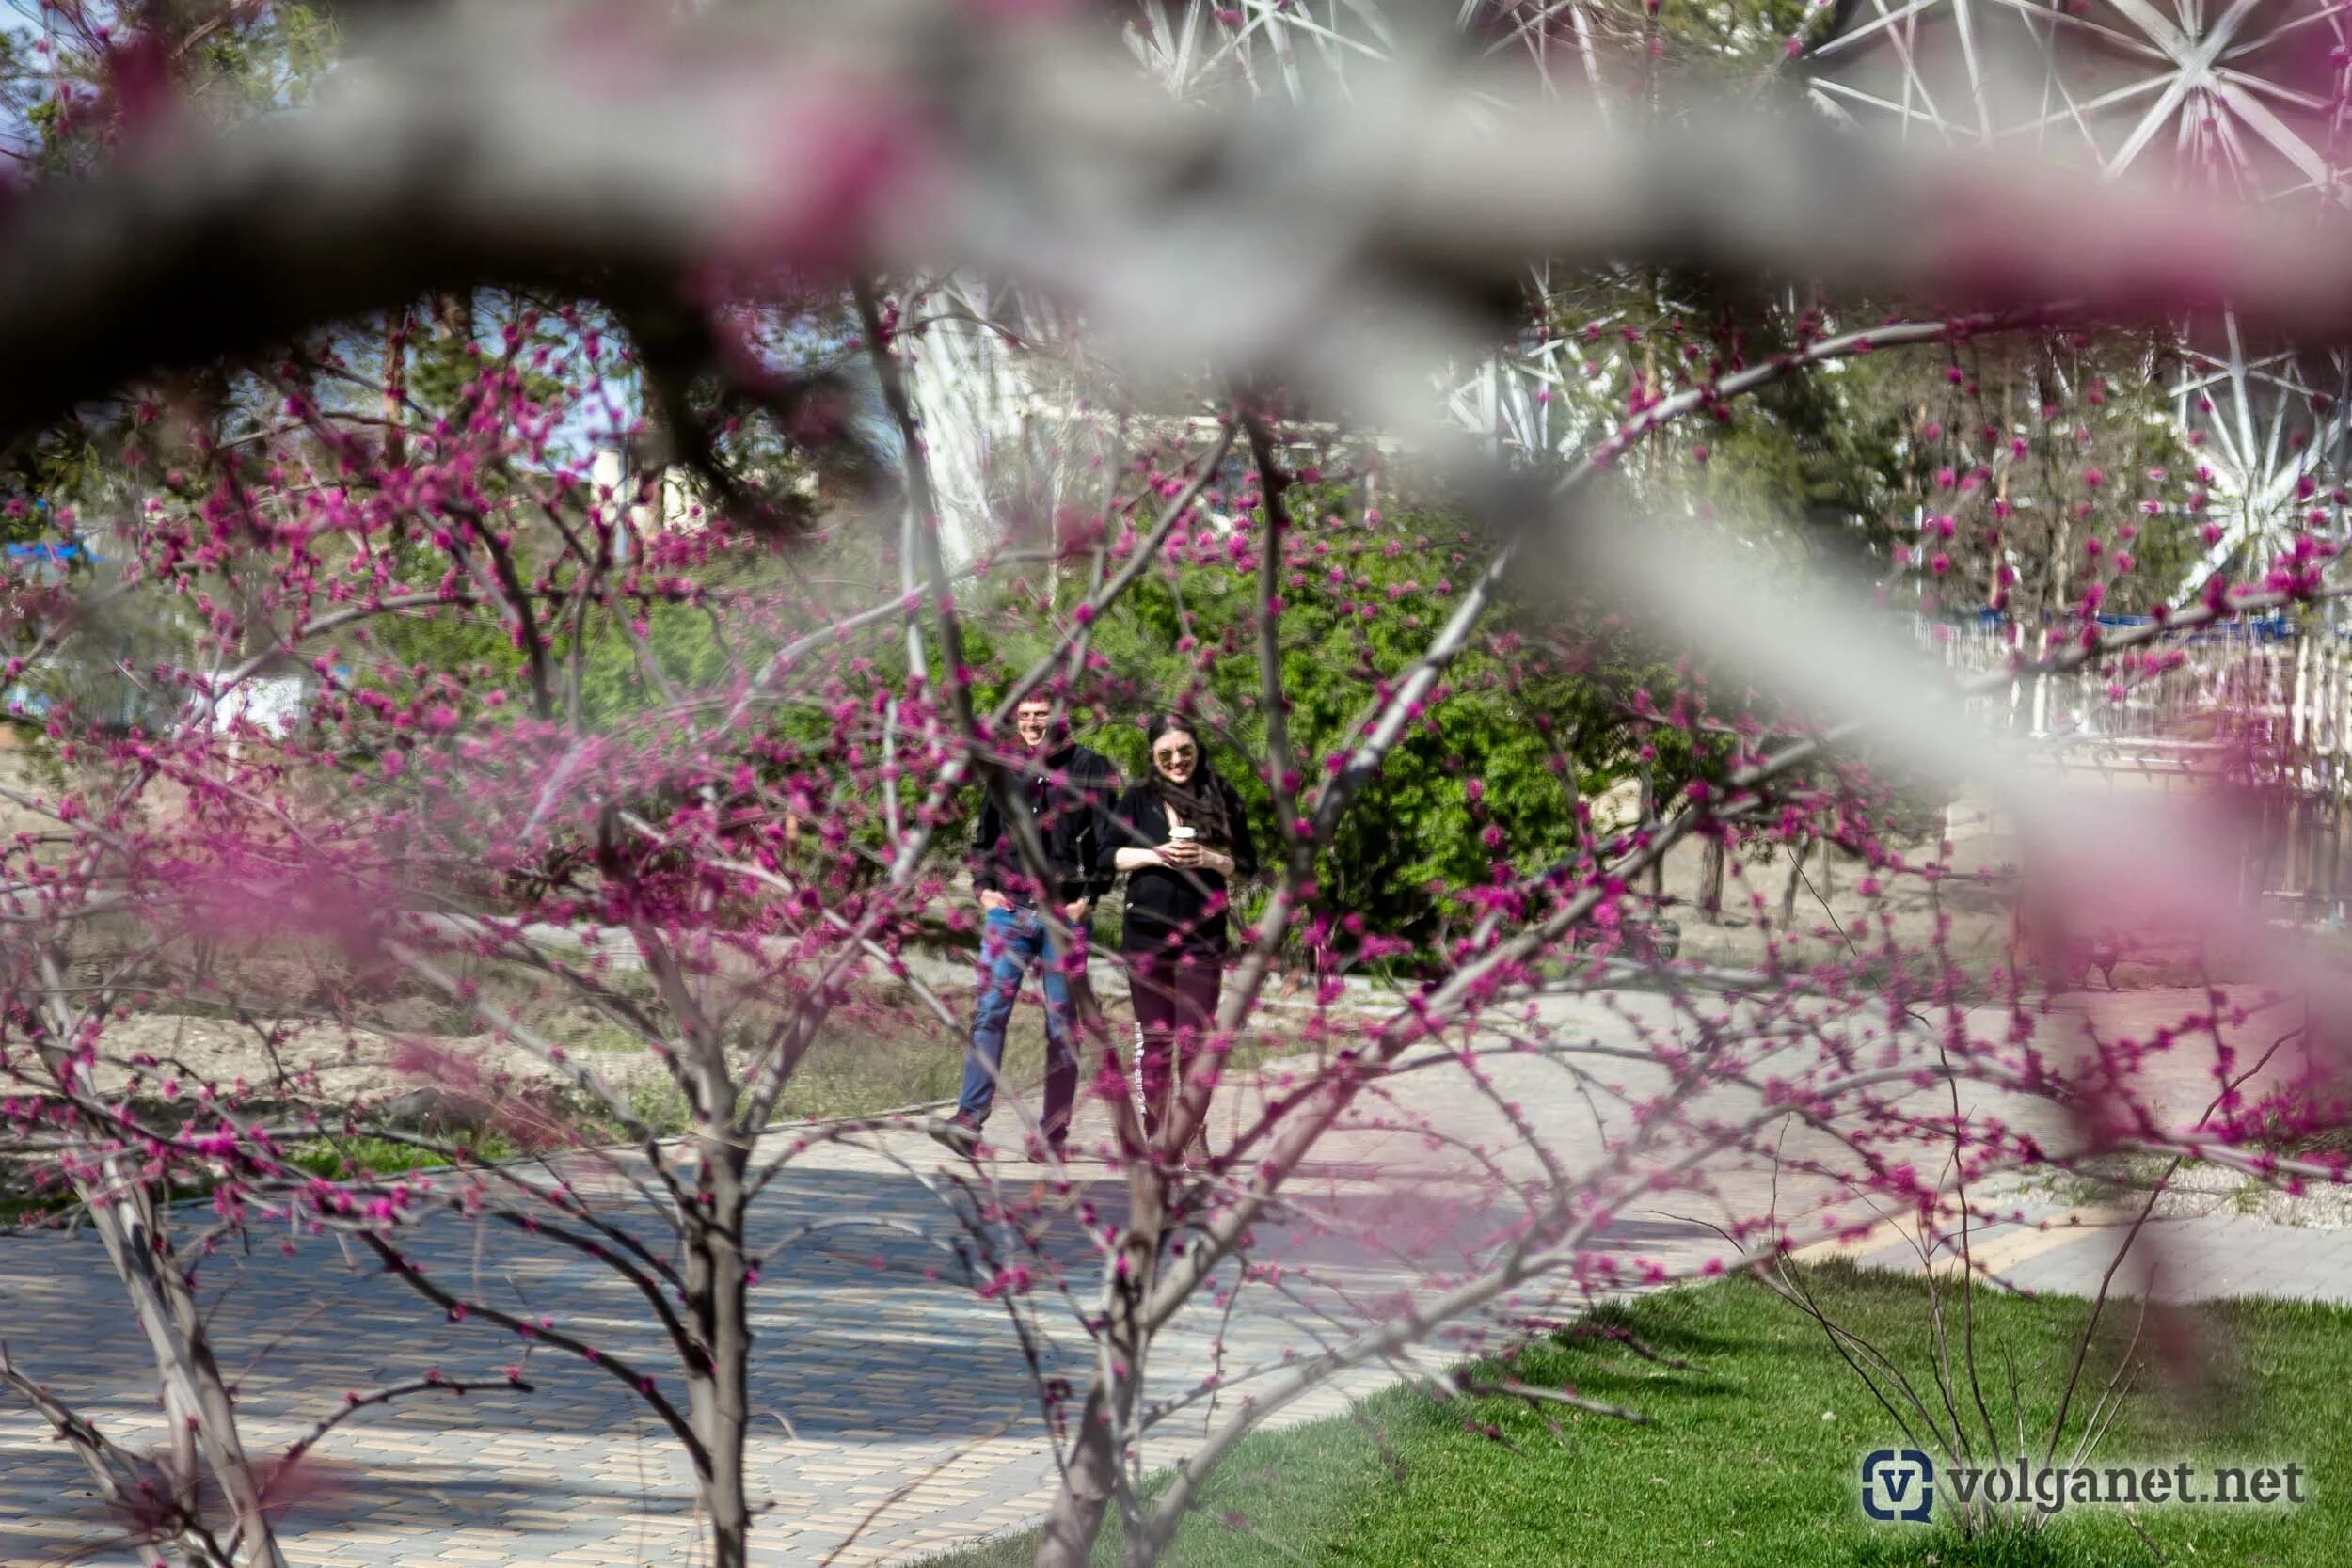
{"points": [[1204, 803]]}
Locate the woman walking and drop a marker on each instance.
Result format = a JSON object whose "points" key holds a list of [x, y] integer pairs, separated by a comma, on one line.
{"points": [[1183, 841]]}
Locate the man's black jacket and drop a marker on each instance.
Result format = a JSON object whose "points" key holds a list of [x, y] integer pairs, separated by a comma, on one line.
{"points": [[1069, 795]]}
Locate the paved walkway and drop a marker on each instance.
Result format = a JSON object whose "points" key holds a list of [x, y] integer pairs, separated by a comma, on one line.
{"points": [[2062, 1249], [896, 1412]]}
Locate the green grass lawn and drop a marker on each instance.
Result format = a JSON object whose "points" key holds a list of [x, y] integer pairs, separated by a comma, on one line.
{"points": [[1754, 1449]]}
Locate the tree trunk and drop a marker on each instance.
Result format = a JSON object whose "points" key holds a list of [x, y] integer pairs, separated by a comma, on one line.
{"points": [[1650, 825], [122, 1211], [396, 387], [1788, 889], [194, 1391], [1076, 1517], [1092, 1479], [1711, 879], [718, 1392]]}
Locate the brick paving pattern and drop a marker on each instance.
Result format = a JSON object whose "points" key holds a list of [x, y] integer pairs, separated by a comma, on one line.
{"points": [[895, 1411]]}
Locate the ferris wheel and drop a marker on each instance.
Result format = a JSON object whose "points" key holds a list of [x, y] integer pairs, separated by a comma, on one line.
{"points": [[2249, 94], [2250, 98], [1296, 48], [998, 421]]}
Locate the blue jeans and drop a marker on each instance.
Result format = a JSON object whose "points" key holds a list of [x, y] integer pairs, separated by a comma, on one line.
{"points": [[1013, 941]]}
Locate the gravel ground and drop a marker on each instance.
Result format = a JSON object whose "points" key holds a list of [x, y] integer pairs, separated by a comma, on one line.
{"points": [[219, 1049], [2211, 1190], [2197, 1191]]}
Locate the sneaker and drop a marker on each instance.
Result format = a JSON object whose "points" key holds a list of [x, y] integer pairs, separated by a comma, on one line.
{"points": [[958, 1133]]}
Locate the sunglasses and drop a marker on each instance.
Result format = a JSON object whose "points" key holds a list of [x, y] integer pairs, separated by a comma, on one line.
{"points": [[1175, 753]]}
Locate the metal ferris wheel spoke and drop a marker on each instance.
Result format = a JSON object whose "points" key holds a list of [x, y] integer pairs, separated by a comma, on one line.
{"points": [[2192, 60], [2223, 32], [2242, 404], [1161, 40], [2280, 492], [2292, 97], [2078, 115], [1521, 23], [2038, 28], [1904, 111], [2176, 90], [1905, 41], [1274, 19], [2272, 129], [1523, 28], [2209, 144], [2329, 13], [1896, 29], [2281, 482], [2157, 26], [2050, 19], [1855, 39], [1592, 65], [1961, 14], [1376, 20]]}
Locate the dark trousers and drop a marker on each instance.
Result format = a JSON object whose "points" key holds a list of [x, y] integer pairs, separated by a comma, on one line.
{"points": [[1175, 996]]}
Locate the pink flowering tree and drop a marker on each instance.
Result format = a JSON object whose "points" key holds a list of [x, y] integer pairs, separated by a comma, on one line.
{"points": [[422, 702]]}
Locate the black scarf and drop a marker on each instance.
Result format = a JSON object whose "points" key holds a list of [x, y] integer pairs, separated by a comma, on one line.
{"points": [[1200, 803]]}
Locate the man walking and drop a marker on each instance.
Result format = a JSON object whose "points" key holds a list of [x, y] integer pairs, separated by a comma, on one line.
{"points": [[1066, 791]]}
